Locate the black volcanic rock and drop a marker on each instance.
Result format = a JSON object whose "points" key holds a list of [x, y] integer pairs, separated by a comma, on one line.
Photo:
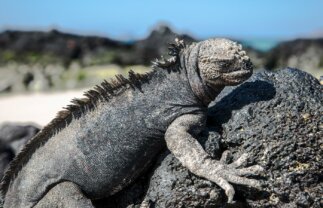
{"points": [[257, 56], [277, 119], [58, 47], [301, 53], [12, 138], [35, 46], [156, 43], [55, 46], [143, 52], [53, 41]]}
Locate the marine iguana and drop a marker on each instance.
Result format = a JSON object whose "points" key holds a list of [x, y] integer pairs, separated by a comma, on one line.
{"points": [[101, 143]]}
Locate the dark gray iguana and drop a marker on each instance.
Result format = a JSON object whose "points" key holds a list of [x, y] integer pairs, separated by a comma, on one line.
{"points": [[100, 144]]}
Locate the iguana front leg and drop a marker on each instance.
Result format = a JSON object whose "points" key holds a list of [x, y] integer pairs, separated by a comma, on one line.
{"points": [[180, 141]]}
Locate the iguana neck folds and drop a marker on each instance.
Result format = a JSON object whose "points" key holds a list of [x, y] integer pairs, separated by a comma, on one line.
{"points": [[189, 61]]}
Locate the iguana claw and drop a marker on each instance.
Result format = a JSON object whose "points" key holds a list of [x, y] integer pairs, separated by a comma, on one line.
{"points": [[232, 173]]}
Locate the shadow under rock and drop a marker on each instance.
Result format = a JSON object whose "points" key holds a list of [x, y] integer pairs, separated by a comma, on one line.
{"points": [[235, 99], [6, 155]]}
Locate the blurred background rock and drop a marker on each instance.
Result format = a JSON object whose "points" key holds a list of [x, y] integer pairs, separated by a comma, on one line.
{"points": [[43, 61]]}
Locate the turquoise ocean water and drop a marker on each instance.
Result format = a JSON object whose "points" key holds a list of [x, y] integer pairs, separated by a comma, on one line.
{"points": [[261, 44]]}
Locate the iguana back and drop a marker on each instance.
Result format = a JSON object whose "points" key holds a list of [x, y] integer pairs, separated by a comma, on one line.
{"points": [[106, 141]]}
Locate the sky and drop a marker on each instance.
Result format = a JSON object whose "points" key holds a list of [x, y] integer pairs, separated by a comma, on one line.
{"points": [[280, 19]]}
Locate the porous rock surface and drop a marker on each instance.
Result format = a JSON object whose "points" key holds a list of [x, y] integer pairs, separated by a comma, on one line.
{"points": [[275, 117]]}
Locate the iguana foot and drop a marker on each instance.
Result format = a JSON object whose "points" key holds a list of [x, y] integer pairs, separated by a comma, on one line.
{"points": [[192, 156], [233, 173]]}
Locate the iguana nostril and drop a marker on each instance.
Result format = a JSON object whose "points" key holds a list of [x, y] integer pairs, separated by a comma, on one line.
{"points": [[242, 53], [245, 58]]}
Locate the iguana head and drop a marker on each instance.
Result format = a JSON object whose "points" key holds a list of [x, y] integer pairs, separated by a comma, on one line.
{"points": [[222, 62]]}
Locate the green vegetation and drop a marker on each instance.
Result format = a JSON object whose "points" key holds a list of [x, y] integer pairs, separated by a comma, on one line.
{"points": [[92, 59], [321, 62], [92, 75], [81, 75], [8, 56], [104, 57], [28, 58]]}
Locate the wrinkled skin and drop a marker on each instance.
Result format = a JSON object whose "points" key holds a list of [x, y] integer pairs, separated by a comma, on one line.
{"points": [[223, 62]]}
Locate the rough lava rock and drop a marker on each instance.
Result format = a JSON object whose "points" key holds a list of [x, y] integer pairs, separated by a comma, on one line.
{"points": [[156, 44], [301, 53], [277, 119], [59, 47], [63, 47], [12, 138]]}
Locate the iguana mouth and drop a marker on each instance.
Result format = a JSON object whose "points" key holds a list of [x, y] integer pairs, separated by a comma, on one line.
{"points": [[241, 72], [236, 77], [238, 73]]}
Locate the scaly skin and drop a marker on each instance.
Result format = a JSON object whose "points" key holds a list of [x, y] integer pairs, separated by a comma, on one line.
{"points": [[99, 147]]}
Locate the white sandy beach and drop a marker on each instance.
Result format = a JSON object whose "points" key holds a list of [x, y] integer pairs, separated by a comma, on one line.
{"points": [[38, 108]]}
